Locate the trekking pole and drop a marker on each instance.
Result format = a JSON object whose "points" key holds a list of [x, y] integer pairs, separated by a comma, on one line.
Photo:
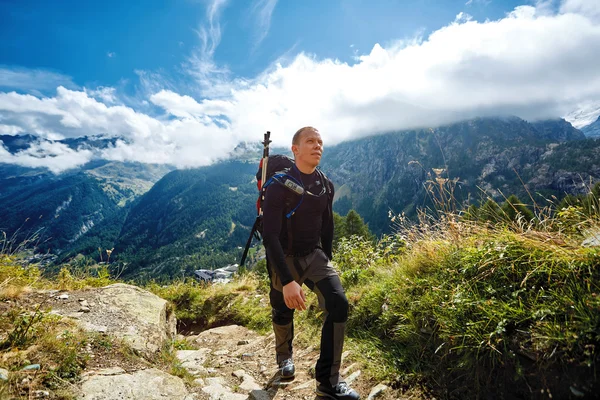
{"points": [[264, 162]]}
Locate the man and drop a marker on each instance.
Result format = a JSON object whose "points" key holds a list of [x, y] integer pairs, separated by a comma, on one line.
{"points": [[299, 251]]}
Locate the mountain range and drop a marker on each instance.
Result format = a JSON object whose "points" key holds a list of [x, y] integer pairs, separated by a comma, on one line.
{"points": [[161, 222], [592, 130]]}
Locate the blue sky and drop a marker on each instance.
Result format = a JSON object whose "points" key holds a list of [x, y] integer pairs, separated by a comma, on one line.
{"points": [[103, 43], [182, 82]]}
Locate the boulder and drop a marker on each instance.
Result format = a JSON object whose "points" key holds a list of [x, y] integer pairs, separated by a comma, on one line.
{"points": [[144, 320], [148, 384]]}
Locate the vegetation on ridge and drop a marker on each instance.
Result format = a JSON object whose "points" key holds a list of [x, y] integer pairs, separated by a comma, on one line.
{"points": [[465, 305]]}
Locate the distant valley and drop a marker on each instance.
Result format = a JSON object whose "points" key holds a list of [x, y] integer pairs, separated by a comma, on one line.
{"points": [[163, 223]]}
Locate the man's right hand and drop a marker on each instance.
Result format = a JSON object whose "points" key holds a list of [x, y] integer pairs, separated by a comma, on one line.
{"points": [[293, 295]]}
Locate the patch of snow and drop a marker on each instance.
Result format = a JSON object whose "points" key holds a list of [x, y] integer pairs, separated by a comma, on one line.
{"points": [[585, 115]]}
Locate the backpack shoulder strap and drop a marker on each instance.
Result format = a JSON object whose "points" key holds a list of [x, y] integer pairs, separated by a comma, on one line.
{"points": [[328, 184]]}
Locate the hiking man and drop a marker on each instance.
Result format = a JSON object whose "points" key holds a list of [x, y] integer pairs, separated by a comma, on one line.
{"points": [[299, 251]]}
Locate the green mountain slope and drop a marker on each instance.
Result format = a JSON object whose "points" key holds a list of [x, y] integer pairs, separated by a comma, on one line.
{"points": [[488, 156], [190, 219]]}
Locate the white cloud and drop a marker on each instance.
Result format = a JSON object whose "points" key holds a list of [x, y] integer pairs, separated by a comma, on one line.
{"points": [[533, 63], [201, 64], [57, 157], [10, 129], [106, 94], [111, 54], [263, 11], [482, 2], [590, 8], [32, 80]]}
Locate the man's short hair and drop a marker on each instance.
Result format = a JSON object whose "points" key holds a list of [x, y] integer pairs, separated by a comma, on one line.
{"points": [[296, 138]]}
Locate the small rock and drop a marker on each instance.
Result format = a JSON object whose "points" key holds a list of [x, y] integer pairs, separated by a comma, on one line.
{"points": [[259, 395], [31, 367], [352, 377], [576, 393], [247, 356], [84, 303], [249, 384], [84, 309], [40, 394], [221, 352], [199, 381], [3, 374], [63, 296], [345, 354], [211, 371], [111, 371], [243, 342], [240, 373], [219, 380], [346, 370], [376, 391]]}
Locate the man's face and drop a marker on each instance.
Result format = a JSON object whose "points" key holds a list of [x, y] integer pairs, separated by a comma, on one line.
{"points": [[309, 149]]}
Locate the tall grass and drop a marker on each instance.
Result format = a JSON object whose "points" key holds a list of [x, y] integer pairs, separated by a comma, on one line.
{"points": [[482, 308]]}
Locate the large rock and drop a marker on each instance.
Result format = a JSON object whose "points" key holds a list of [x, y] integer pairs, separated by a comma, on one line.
{"points": [[141, 318], [148, 384]]}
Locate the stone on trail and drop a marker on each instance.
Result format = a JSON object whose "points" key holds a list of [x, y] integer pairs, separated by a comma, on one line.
{"points": [[141, 318], [240, 373], [348, 369], [259, 395], [148, 384], [377, 391], [193, 360], [217, 390], [249, 384], [349, 380]]}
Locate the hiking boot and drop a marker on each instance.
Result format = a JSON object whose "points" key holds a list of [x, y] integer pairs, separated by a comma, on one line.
{"points": [[287, 368], [340, 391]]}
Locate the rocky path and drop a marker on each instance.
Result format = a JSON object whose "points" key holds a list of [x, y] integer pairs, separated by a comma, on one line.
{"points": [[224, 363], [236, 363], [229, 363]]}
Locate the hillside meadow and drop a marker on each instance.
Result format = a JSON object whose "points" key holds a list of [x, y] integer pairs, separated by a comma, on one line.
{"points": [[461, 305]]}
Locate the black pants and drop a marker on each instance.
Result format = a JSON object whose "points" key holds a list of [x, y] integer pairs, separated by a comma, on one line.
{"points": [[318, 274]]}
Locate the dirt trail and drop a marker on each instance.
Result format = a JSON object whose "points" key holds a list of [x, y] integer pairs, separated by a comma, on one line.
{"points": [[237, 361]]}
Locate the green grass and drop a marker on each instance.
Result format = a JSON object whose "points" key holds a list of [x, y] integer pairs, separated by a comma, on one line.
{"points": [[466, 316], [463, 308], [205, 306]]}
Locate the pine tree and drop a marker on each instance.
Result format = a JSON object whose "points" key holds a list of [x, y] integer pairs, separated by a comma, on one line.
{"points": [[339, 227], [354, 225], [512, 207], [490, 211]]}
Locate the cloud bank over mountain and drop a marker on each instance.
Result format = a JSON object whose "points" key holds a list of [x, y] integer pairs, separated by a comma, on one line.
{"points": [[535, 63]]}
